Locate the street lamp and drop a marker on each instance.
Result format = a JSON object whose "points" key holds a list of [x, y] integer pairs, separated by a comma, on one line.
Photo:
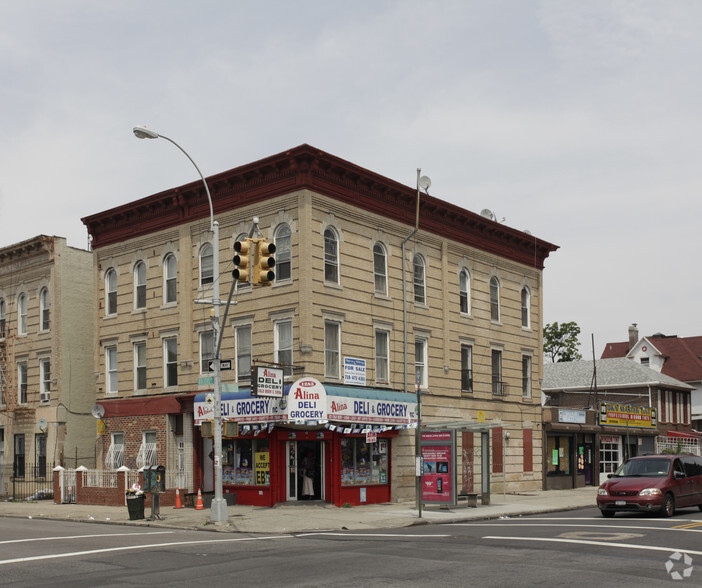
{"points": [[218, 510]]}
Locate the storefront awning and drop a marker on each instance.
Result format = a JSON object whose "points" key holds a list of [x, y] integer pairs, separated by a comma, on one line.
{"points": [[344, 405]]}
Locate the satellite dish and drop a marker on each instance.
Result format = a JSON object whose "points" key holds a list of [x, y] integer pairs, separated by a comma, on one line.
{"points": [[487, 213], [424, 183], [98, 411], [42, 424]]}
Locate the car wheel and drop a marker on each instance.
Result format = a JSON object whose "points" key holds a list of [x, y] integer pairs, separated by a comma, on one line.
{"points": [[668, 509], [608, 514]]}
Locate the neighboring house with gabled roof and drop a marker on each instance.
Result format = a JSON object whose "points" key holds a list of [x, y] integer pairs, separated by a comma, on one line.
{"points": [[677, 357], [581, 450]]}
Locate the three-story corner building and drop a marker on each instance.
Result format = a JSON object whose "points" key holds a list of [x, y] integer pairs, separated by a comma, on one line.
{"points": [[46, 359], [353, 331]]}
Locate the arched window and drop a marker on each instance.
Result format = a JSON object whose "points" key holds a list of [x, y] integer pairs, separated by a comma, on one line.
{"points": [[22, 314], [44, 305], [494, 299], [526, 298], [169, 278], [331, 256], [140, 285], [380, 269], [2, 318], [206, 265], [464, 291], [283, 253], [420, 295], [110, 292]]}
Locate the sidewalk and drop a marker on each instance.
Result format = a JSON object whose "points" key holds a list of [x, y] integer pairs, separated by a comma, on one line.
{"points": [[300, 517]]}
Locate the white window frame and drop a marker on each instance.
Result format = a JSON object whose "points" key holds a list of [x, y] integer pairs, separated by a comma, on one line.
{"points": [[419, 273], [22, 390], [282, 237], [44, 309], [111, 292], [22, 314], [114, 459], [332, 349], [139, 367], [525, 299], [45, 377], [380, 269], [243, 350], [148, 450], [283, 344], [495, 310], [496, 372], [111, 370], [467, 365], [382, 356], [421, 355], [526, 375], [331, 256], [170, 361], [207, 351], [464, 291], [139, 285], [170, 277], [206, 273]]}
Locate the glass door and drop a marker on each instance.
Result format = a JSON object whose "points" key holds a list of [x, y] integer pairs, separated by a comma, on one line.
{"points": [[304, 470]]}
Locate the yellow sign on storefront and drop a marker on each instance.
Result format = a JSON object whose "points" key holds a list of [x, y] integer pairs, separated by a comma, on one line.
{"points": [[613, 414], [262, 468]]}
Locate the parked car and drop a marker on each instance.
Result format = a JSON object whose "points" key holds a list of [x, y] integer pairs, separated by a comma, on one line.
{"points": [[653, 484]]}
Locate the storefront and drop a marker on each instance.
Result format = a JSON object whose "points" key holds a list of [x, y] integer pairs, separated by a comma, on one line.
{"points": [[325, 443]]}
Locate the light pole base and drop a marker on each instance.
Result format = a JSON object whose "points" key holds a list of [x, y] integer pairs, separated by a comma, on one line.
{"points": [[218, 510]]}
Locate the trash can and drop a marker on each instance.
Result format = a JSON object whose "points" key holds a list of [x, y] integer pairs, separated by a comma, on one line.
{"points": [[135, 506]]}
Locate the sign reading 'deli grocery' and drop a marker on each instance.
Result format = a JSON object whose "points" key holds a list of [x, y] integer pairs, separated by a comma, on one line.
{"points": [[267, 381], [613, 414], [307, 401]]}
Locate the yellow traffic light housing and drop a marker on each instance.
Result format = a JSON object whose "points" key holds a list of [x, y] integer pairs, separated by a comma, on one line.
{"points": [[242, 260], [263, 273]]}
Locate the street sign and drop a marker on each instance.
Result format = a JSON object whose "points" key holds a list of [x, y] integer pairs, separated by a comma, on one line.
{"points": [[224, 364]]}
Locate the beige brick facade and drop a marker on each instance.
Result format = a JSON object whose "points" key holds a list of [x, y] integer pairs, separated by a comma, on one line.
{"points": [[308, 300]]}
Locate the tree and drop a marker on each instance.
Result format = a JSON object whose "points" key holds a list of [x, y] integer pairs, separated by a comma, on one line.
{"points": [[561, 342]]}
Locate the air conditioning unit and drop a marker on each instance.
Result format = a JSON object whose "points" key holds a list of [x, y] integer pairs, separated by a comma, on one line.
{"points": [[207, 429], [44, 397], [230, 429]]}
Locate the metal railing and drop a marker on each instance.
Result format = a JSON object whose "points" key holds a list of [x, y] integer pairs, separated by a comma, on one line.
{"points": [[100, 479], [27, 481]]}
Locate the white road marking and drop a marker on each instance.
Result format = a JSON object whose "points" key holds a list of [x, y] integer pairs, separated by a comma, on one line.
{"points": [[628, 527], [598, 543], [84, 537], [399, 535], [133, 547]]}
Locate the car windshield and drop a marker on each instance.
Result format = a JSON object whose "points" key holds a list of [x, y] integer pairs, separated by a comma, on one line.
{"points": [[644, 467]]}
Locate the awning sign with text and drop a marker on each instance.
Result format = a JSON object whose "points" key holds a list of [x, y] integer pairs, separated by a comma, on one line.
{"points": [[613, 414]]}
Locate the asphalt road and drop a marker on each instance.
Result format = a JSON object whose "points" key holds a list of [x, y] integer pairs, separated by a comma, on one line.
{"points": [[575, 548]]}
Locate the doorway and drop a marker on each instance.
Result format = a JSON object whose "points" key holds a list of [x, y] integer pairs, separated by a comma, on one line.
{"points": [[305, 470]]}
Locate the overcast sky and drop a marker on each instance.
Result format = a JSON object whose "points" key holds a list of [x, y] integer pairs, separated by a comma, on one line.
{"points": [[578, 121]]}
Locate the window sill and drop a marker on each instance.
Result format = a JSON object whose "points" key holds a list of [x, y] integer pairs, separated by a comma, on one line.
{"points": [[167, 305], [334, 285], [138, 311]]}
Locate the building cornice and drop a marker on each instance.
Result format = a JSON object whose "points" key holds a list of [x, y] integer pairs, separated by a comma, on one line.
{"points": [[305, 167]]}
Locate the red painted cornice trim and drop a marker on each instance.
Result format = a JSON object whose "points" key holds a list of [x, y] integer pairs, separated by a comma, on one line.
{"points": [[306, 167]]}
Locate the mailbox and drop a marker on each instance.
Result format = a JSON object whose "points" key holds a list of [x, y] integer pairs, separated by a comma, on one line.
{"points": [[155, 479]]}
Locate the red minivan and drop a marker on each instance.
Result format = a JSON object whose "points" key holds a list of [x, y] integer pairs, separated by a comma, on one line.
{"points": [[653, 483]]}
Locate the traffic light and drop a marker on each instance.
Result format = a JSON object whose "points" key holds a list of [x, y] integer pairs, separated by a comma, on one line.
{"points": [[242, 260], [263, 274]]}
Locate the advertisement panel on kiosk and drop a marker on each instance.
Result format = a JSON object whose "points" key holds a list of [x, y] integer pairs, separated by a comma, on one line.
{"points": [[438, 451]]}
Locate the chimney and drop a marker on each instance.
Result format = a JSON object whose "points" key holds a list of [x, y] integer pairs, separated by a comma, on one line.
{"points": [[633, 336]]}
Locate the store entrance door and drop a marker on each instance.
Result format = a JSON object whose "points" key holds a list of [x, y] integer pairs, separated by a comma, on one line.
{"points": [[305, 470]]}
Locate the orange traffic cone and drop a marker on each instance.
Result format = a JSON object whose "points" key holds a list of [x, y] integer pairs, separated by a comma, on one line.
{"points": [[179, 504], [198, 504]]}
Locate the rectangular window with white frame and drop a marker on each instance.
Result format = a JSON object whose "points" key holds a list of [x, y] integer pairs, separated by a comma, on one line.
{"points": [[140, 365], [242, 336], [114, 459], [45, 374], [497, 383], [526, 376], [111, 369], [283, 344], [420, 362], [147, 455], [332, 349], [170, 362], [22, 382], [382, 356], [467, 368], [207, 351]]}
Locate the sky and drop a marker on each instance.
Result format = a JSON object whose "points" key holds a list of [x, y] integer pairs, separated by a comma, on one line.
{"points": [[578, 121]]}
